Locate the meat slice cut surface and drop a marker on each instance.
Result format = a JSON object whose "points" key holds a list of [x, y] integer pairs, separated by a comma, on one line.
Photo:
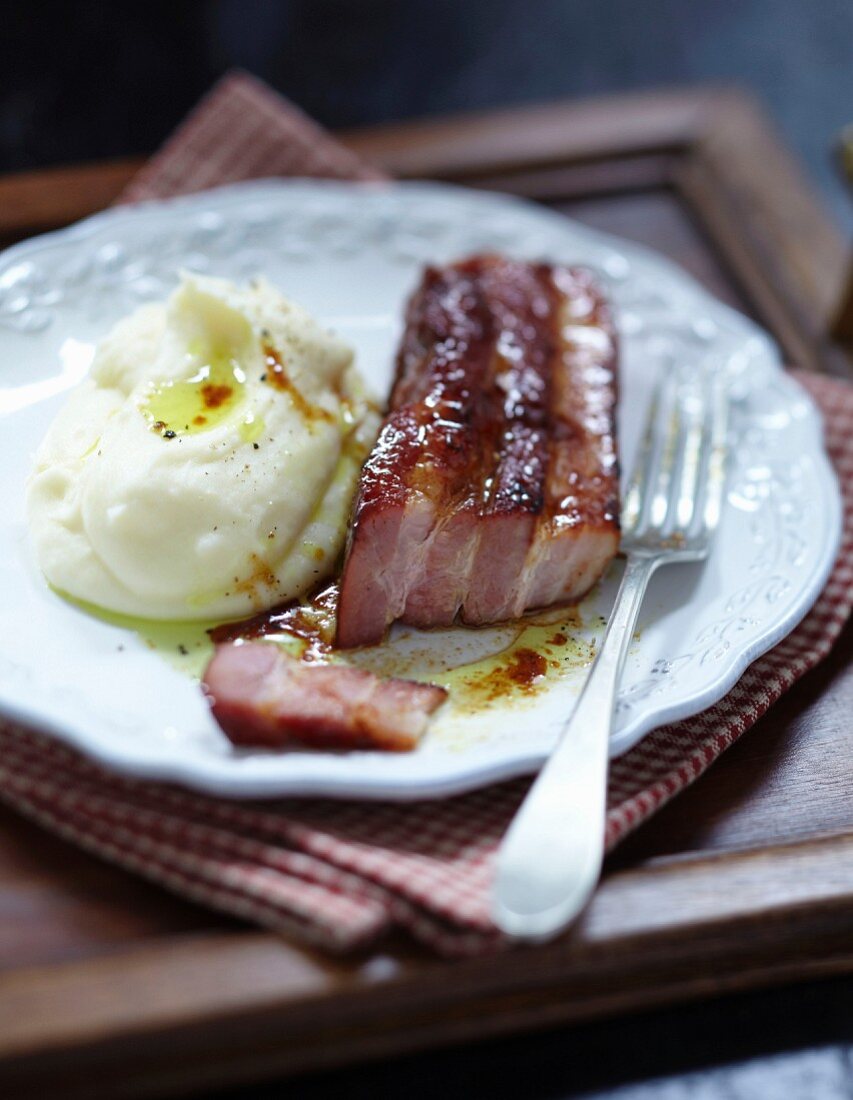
{"points": [[493, 486], [263, 697]]}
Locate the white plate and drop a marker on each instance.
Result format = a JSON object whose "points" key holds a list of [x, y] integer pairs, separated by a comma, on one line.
{"points": [[351, 254]]}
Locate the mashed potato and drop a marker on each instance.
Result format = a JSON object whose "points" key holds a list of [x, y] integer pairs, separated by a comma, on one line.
{"points": [[206, 466]]}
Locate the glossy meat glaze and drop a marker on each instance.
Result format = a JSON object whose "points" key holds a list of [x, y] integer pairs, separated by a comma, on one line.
{"points": [[493, 486]]}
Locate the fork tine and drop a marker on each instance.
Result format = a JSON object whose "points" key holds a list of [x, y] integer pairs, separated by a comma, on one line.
{"points": [[710, 480], [689, 463], [643, 474], [716, 476], [673, 445]]}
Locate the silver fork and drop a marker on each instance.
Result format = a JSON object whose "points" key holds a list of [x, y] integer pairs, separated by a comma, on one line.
{"points": [[550, 860]]}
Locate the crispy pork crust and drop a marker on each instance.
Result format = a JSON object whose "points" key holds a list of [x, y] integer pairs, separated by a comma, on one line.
{"points": [[493, 487]]}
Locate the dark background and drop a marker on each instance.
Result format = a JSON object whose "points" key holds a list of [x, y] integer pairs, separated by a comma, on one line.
{"points": [[99, 78]]}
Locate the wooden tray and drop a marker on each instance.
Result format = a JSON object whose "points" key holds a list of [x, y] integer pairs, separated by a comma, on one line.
{"points": [[111, 987]]}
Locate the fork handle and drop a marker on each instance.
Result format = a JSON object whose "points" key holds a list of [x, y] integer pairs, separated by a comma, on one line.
{"points": [[550, 859]]}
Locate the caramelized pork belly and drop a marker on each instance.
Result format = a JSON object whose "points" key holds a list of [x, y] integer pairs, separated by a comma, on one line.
{"points": [[493, 487], [263, 697]]}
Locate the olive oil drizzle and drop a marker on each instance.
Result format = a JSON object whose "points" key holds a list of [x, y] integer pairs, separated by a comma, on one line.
{"points": [[537, 651], [177, 407]]}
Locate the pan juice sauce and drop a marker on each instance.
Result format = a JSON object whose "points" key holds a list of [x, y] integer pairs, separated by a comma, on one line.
{"points": [[481, 667], [520, 660], [491, 668], [541, 652], [509, 665]]}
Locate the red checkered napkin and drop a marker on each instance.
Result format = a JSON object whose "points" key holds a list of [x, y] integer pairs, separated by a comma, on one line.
{"points": [[243, 130], [338, 874]]}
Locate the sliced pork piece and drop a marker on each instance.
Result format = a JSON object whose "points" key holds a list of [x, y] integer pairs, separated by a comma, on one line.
{"points": [[576, 533], [416, 518], [263, 697], [493, 487]]}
